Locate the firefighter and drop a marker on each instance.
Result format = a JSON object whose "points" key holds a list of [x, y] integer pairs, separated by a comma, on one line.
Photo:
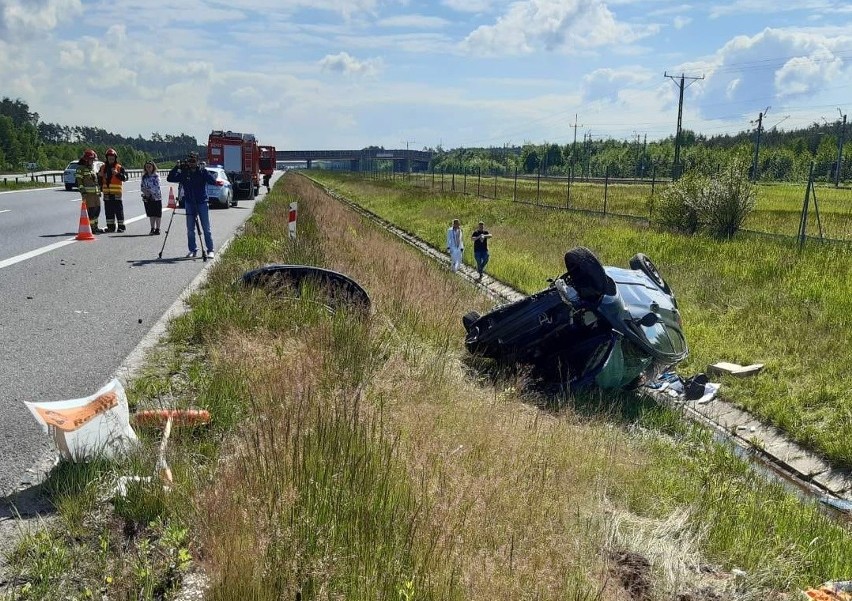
{"points": [[111, 176], [87, 183]]}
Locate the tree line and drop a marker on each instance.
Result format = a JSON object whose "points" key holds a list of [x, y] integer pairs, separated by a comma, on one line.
{"points": [[25, 139], [782, 156]]}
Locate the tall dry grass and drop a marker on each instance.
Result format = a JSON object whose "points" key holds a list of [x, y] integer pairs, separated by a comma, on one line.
{"points": [[373, 460]]}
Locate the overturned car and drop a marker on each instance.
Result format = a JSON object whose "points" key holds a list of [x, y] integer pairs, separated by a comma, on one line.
{"points": [[594, 325]]}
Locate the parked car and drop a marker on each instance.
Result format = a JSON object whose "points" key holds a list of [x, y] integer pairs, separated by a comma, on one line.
{"points": [[594, 325], [220, 194], [70, 175]]}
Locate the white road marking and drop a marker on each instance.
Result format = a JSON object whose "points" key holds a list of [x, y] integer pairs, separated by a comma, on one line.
{"points": [[5, 210], [35, 253], [31, 190], [56, 245]]}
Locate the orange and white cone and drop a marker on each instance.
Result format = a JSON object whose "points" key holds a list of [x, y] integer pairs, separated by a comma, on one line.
{"points": [[85, 230], [172, 204]]}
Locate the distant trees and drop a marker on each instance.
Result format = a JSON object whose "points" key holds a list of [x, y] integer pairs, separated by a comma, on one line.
{"points": [[24, 139], [783, 156]]}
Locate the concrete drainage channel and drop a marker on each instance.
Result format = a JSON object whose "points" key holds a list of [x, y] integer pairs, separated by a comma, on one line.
{"points": [[769, 450]]}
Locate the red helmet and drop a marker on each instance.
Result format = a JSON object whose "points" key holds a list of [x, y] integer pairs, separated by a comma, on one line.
{"points": [[89, 155], [111, 151]]}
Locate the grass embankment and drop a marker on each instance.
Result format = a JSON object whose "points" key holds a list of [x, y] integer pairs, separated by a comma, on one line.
{"points": [[745, 301], [363, 458], [777, 211]]}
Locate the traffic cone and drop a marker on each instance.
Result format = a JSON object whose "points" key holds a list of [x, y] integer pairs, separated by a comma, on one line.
{"points": [[85, 230], [172, 203]]}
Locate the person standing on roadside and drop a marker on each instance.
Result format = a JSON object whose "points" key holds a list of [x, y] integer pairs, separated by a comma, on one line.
{"points": [[194, 181], [111, 177], [455, 245], [87, 184], [152, 197], [480, 247]]}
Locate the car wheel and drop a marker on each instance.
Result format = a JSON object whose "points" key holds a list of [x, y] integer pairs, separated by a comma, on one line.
{"points": [[68, 187], [641, 262], [469, 319], [586, 273]]}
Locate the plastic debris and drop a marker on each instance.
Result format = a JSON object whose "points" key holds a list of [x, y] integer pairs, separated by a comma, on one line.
{"points": [[734, 369], [93, 426]]}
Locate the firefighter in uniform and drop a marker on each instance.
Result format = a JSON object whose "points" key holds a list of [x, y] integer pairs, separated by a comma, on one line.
{"points": [[111, 176], [87, 183]]}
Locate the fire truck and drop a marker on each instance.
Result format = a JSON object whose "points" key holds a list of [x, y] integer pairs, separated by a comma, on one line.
{"points": [[267, 163], [238, 154]]}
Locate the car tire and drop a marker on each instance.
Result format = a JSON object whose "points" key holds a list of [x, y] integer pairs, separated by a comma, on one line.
{"points": [[469, 319], [69, 187], [587, 274], [641, 262]]}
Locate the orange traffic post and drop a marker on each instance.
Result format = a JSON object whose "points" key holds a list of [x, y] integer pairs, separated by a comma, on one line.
{"points": [[85, 230], [172, 203]]}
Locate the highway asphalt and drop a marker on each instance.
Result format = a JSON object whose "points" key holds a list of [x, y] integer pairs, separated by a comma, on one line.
{"points": [[71, 311]]}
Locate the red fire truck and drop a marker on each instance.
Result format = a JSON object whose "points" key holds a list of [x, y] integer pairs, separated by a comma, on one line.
{"points": [[267, 163], [238, 154]]}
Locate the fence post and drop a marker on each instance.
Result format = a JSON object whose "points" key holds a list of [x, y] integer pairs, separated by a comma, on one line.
{"points": [[433, 178], [568, 196], [653, 180], [453, 182], [515, 191], [478, 180], [538, 186], [606, 186], [442, 178], [464, 182], [803, 220], [495, 184]]}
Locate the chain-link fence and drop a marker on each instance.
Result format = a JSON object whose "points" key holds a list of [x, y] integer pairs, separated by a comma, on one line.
{"points": [[799, 210]]}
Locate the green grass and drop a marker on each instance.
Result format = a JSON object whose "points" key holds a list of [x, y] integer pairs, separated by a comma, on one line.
{"points": [[777, 211], [364, 458], [745, 301], [24, 184]]}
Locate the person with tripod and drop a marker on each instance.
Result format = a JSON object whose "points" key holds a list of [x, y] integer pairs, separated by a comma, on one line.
{"points": [[194, 180]]}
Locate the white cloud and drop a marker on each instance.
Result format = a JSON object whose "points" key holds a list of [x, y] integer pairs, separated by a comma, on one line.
{"points": [[606, 83], [413, 21], [20, 19], [554, 25], [680, 21], [775, 64], [349, 65], [806, 74]]}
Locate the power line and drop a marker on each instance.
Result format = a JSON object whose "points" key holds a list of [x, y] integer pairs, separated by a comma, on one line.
{"points": [[676, 166]]}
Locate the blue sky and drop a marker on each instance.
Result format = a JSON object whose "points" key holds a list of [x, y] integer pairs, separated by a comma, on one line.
{"points": [[321, 74]]}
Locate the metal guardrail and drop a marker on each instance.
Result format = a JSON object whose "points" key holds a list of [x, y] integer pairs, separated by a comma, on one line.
{"points": [[55, 177]]}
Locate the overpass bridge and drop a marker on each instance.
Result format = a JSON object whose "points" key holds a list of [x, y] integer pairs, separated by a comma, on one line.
{"points": [[362, 160]]}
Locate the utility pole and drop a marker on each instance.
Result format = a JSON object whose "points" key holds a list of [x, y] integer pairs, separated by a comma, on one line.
{"points": [[754, 162], [574, 148], [681, 86], [839, 149]]}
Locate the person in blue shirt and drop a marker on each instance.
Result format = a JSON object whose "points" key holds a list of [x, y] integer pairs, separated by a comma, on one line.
{"points": [[194, 180]]}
